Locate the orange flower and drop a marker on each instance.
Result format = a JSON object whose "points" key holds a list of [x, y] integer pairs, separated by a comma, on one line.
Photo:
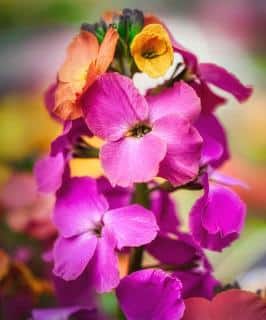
{"points": [[85, 61]]}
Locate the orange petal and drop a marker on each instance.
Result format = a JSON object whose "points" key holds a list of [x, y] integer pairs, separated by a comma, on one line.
{"points": [[4, 264], [107, 50], [81, 52], [66, 102]]}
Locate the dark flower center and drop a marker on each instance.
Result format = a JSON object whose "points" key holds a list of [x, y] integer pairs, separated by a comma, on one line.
{"points": [[97, 231], [139, 130], [150, 54]]}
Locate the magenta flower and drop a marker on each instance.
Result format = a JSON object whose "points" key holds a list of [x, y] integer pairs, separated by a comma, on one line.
{"points": [[90, 234], [150, 294], [144, 137], [217, 218], [50, 170]]}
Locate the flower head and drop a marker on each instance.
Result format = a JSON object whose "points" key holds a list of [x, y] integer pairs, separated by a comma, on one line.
{"points": [[90, 233], [144, 137], [85, 61], [152, 50], [217, 218], [150, 294]]}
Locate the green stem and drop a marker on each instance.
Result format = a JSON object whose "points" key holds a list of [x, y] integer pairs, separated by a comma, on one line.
{"points": [[141, 196]]}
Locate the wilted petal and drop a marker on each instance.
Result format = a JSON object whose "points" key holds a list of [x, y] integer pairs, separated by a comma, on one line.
{"points": [[72, 255], [180, 100], [131, 226], [132, 159], [79, 207], [113, 105], [150, 294], [225, 80]]}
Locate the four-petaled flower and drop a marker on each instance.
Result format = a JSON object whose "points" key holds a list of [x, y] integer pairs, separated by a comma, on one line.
{"points": [[90, 233]]}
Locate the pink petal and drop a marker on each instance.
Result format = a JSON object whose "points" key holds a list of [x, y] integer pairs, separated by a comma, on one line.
{"points": [[71, 255], [132, 160], [180, 100], [181, 163], [104, 264], [225, 80], [209, 100], [132, 226], [215, 149], [78, 207], [49, 172], [150, 295], [112, 105]]}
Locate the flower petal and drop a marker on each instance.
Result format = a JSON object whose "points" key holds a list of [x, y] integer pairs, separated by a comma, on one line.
{"points": [[215, 149], [225, 80], [107, 50], [181, 163], [79, 207], [132, 160], [82, 50], [217, 218], [49, 172], [209, 100], [180, 100], [174, 252], [165, 211], [150, 294], [111, 113], [131, 226], [72, 255], [104, 264], [59, 313]]}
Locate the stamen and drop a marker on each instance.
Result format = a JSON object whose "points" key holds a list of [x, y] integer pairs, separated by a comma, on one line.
{"points": [[139, 130]]}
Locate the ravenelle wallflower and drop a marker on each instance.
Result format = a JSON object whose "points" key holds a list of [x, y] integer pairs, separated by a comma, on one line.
{"points": [[90, 233], [171, 132], [144, 133]]}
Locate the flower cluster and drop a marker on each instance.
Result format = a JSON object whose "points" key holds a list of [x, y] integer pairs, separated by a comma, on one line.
{"points": [[151, 145]]}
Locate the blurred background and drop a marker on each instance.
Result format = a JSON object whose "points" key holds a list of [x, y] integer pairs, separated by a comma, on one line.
{"points": [[33, 38]]}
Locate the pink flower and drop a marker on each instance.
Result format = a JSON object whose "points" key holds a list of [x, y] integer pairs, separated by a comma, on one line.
{"points": [[144, 137], [90, 233]]}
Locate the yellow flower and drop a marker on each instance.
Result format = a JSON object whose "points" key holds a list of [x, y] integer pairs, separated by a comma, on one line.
{"points": [[152, 50]]}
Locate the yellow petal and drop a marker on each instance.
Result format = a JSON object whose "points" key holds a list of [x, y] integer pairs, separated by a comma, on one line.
{"points": [[152, 50]]}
